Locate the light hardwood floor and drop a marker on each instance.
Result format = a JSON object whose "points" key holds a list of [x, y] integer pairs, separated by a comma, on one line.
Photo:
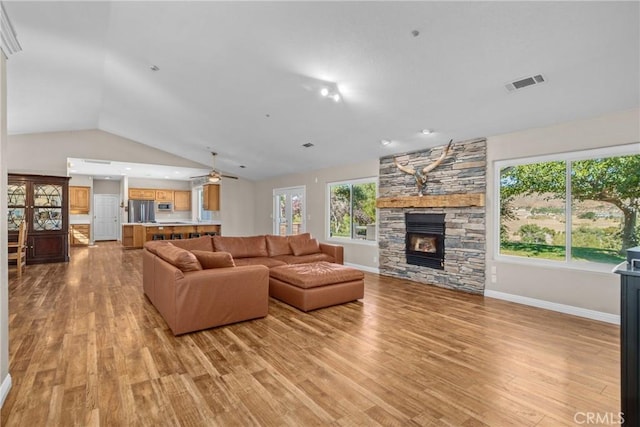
{"points": [[87, 348]]}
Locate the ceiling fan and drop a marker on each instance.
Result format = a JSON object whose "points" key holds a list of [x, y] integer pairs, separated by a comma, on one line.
{"points": [[214, 176]]}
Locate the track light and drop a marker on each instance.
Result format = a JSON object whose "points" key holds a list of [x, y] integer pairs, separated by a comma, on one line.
{"points": [[333, 94]]}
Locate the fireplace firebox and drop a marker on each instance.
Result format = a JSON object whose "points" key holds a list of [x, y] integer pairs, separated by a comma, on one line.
{"points": [[425, 239]]}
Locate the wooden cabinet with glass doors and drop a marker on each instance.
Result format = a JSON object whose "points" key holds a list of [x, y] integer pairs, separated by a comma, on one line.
{"points": [[43, 202]]}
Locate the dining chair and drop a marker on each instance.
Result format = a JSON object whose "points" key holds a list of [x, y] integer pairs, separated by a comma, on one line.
{"points": [[20, 253]]}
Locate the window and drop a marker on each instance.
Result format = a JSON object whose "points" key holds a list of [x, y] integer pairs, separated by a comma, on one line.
{"points": [[202, 214], [352, 209], [576, 208]]}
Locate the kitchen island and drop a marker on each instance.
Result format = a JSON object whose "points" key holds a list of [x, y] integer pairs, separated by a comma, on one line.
{"points": [[134, 235]]}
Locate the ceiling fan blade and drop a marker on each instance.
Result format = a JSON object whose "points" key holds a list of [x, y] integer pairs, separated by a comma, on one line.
{"points": [[199, 176], [229, 176]]}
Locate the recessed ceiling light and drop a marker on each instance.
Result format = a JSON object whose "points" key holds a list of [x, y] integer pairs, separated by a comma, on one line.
{"points": [[426, 131], [107, 177], [176, 172], [415, 33], [127, 169], [324, 91], [336, 97], [166, 177], [385, 142], [307, 145]]}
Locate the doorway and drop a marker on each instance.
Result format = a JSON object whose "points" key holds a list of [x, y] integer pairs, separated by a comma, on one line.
{"points": [[289, 211], [105, 219]]}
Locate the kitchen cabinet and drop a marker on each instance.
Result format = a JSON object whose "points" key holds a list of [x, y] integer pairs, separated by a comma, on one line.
{"points": [[142, 194], [211, 197], [42, 201], [164, 195], [79, 200], [79, 234], [133, 236], [181, 200]]}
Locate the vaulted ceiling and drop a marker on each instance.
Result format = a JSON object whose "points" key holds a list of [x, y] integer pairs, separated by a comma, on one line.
{"points": [[244, 78]]}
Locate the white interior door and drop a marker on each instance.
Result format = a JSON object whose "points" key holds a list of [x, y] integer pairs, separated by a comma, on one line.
{"points": [[105, 219], [288, 211]]}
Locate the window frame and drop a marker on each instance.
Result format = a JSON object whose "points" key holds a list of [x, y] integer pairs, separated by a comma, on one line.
{"points": [[567, 263], [349, 240], [200, 211]]}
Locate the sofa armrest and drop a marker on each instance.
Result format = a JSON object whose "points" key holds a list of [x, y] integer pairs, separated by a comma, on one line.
{"points": [[220, 296], [336, 251]]}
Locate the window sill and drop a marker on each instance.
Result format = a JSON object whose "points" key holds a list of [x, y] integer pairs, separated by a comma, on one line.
{"points": [[345, 241], [563, 265]]}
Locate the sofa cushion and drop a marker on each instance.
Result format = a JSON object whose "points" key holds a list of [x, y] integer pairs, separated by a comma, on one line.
{"points": [[181, 258], [152, 245], [241, 247], [278, 245], [266, 261], [297, 238], [209, 259], [304, 247], [292, 259], [197, 244], [315, 274]]}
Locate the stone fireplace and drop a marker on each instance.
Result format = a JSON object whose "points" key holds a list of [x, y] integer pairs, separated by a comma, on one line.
{"points": [[411, 243]]}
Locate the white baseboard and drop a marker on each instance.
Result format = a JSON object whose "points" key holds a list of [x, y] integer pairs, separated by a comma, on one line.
{"points": [[4, 389], [363, 268], [553, 306]]}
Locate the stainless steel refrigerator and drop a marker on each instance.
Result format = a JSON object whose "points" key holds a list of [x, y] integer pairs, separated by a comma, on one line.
{"points": [[142, 211]]}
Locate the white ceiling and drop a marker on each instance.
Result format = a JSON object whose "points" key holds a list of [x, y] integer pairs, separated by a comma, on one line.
{"points": [[243, 78]]}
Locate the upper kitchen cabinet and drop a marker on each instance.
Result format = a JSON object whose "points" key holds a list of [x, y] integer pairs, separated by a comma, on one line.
{"points": [[181, 200], [142, 194], [79, 200], [211, 197], [164, 195]]}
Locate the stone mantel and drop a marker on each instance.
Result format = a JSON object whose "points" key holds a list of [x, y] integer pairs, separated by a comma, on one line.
{"points": [[432, 201]]}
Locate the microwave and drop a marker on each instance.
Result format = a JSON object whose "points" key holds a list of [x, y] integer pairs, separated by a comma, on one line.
{"points": [[164, 207]]}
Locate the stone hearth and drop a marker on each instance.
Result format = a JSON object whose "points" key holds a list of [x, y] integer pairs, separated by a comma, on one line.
{"points": [[462, 173]]}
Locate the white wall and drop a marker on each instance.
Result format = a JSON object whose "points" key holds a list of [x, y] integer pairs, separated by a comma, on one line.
{"points": [[237, 207], [316, 193], [5, 378], [586, 290], [105, 186], [46, 153]]}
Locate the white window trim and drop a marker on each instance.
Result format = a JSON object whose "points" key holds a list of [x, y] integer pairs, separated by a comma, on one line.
{"points": [[614, 151], [303, 209], [348, 240]]}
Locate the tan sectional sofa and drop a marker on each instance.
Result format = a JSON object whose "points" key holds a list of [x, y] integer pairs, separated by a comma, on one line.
{"points": [[216, 280]]}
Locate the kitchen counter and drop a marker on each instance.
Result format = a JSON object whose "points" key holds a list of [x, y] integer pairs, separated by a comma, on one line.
{"points": [[134, 235], [173, 223]]}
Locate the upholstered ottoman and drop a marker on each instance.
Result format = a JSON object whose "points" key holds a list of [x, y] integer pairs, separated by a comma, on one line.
{"points": [[315, 285]]}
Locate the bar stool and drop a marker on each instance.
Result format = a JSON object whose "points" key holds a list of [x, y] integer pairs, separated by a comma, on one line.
{"points": [[175, 236], [158, 237], [192, 235], [211, 233]]}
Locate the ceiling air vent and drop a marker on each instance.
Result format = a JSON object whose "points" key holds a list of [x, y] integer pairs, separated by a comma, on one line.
{"points": [[307, 145], [525, 82]]}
